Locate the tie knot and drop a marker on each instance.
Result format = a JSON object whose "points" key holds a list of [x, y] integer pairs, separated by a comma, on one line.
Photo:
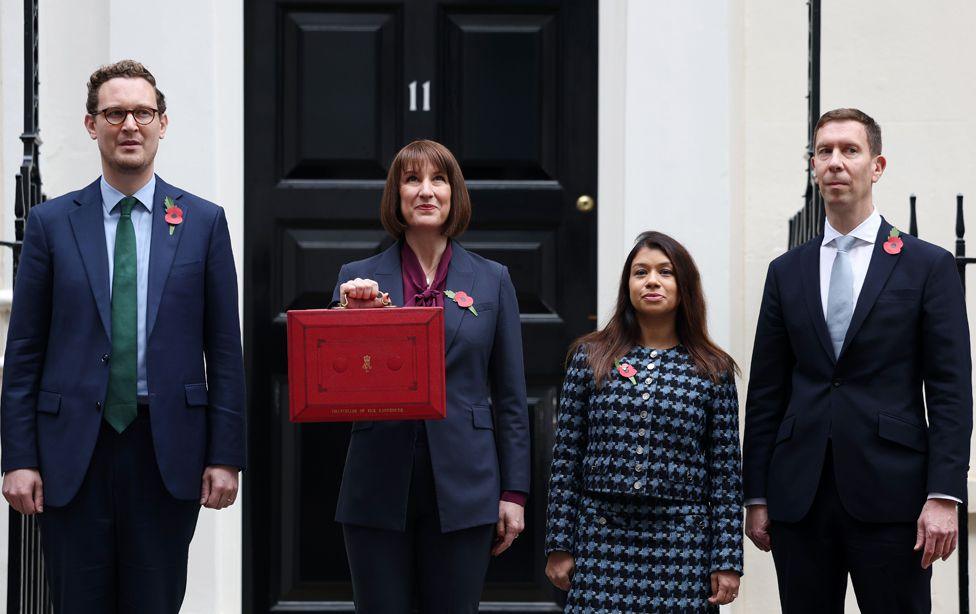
{"points": [[844, 243], [126, 205]]}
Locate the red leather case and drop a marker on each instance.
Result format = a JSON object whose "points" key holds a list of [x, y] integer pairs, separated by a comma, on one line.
{"points": [[366, 364]]}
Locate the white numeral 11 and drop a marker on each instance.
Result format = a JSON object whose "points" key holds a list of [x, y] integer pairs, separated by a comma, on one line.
{"points": [[413, 95]]}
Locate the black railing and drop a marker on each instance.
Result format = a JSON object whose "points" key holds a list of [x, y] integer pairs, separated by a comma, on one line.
{"points": [[27, 590]]}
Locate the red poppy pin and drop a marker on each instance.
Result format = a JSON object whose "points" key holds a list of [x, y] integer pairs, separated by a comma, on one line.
{"points": [[462, 299], [894, 243], [174, 215], [626, 371]]}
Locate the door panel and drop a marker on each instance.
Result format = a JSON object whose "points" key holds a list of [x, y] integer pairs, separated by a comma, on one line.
{"points": [[333, 90], [339, 84], [500, 96]]}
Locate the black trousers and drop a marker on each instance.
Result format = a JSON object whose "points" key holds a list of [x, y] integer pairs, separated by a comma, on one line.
{"points": [[120, 546], [813, 558], [443, 573]]}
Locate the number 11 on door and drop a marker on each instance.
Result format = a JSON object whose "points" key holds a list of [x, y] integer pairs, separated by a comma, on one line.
{"points": [[413, 95]]}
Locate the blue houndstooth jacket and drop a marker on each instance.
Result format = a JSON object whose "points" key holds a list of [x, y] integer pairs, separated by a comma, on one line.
{"points": [[673, 435]]}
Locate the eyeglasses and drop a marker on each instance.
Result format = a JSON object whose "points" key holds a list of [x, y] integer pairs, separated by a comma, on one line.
{"points": [[115, 116]]}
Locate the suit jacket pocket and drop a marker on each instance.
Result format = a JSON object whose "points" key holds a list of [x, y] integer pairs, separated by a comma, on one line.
{"points": [[186, 268], [901, 431], [196, 395], [48, 402], [899, 294], [481, 417], [785, 430]]}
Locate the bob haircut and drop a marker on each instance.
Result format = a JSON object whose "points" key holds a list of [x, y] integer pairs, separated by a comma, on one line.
{"points": [[414, 157], [622, 333]]}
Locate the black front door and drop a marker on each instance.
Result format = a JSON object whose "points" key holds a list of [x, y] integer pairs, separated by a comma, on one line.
{"points": [[333, 90]]}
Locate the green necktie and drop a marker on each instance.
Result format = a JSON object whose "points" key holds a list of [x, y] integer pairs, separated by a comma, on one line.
{"points": [[120, 405]]}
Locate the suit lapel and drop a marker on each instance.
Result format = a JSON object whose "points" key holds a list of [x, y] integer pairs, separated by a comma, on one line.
{"points": [[88, 226], [879, 269], [811, 292], [460, 278], [389, 276], [162, 248]]}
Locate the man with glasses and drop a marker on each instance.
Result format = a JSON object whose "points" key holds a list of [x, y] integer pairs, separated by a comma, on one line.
{"points": [[111, 427]]}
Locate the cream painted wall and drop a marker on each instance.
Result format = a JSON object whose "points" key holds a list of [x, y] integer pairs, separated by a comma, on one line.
{"points": [[770, 163]]}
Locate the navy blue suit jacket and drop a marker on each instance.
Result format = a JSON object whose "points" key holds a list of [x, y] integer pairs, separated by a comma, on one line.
{"points": [[59, 343], [908, 333], [482, 447]]}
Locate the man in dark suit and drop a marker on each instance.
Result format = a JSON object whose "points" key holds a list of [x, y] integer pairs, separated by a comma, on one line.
{"points": [[842, 472], [114, 430]]}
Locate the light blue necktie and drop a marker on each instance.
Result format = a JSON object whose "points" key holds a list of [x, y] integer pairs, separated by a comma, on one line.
{"points": [[840, 294]]}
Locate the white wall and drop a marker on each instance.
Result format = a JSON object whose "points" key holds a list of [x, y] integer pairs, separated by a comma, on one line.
{"points": [[195, 50], [664, 129]]}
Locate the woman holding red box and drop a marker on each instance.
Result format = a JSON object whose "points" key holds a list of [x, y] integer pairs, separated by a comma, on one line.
{"points": [[423, 503]]}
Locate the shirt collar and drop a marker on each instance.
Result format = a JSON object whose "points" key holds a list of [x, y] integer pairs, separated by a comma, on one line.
{"points": [[866, 231], [111, 196]]}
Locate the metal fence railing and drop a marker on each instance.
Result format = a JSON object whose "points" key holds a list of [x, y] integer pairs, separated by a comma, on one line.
{"points": [[27, 590]]}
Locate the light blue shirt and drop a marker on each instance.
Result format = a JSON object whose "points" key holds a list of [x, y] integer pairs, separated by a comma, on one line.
{"points": [[142, 222]]}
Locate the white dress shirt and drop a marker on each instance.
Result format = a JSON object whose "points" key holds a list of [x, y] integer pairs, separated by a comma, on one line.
{"points": [[866, 234], [859, 254]]}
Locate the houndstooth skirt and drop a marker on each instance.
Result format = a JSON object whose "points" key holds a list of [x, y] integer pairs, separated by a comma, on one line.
{"points": [[646, 557]]}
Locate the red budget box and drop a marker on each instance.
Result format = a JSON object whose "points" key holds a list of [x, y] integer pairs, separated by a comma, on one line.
{"points": [[366, 364]]}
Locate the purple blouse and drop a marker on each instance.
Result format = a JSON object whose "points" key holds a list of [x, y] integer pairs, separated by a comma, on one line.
{"points": [[416, 293]]}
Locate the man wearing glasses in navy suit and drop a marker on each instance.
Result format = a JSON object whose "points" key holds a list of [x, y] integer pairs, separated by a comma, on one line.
{"points": [[122, 410]]}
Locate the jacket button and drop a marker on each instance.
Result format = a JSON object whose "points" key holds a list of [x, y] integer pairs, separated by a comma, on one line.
{"points": [[637, 485], [105, 357], [639, 468], [645, 396], [640, 449], [601, 520], [643, 414], [836, 383], [640, 432], [98, 406]]}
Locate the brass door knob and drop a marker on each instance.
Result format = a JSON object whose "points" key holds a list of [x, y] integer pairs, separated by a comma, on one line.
{"points": [[585, 203]]}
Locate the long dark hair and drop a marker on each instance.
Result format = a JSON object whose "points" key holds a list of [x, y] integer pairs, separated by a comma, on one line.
{"points": [[622, 332]]}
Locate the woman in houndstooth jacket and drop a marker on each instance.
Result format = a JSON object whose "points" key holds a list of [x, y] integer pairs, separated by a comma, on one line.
{"points": [[645, 504]]}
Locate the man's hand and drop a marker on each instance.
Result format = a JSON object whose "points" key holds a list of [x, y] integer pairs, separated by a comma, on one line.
{"points": [[938, 531], [725, 587], [757, 527], [24, 491], [219, 488], [511, 522], [559, 569]]}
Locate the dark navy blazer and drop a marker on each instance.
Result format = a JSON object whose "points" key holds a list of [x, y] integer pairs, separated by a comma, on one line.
{"points": [[908, 333], [482, 447], [59, 343]]}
